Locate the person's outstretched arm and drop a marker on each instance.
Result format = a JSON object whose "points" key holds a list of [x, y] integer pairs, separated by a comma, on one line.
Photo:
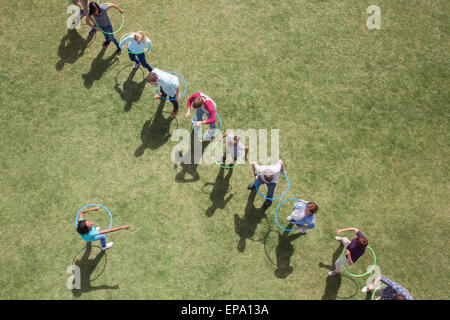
{"points": [[246, 153], [339, 231], [255, 174], [282, 165], [113, 5], [87, 210], [114, 229]]}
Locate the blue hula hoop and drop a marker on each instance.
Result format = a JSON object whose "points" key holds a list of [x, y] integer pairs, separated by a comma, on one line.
{"points": [[207, 136], [93, 205], [277, 198], [276, 212], [185, 87]]}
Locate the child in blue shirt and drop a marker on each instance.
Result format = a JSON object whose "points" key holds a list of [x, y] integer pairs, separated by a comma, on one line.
{"points": [[89, 233], [303, 215]]}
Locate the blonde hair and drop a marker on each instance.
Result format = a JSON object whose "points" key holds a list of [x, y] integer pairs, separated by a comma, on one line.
{"points": [[141, 34]]}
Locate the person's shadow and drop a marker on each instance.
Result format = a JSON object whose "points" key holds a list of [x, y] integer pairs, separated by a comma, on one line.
{"points": [[87, 267], [333, 283], [246, 226], [99, 66], [284, 253], [132, 90], [71, 48], [220, 189], [155, 133], [190, 160]]}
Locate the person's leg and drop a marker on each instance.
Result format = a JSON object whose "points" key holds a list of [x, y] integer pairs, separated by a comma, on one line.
{"points": [[175, 106], [144, 63], [108, 30], [102, 239], [270, 192], [338, 263], [133, 57], [344, 240]]}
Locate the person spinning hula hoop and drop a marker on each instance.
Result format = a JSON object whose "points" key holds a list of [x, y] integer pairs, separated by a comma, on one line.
{"points": [[98, 19], [138, 41], [304, 215], [204, 105], [89, 233], [392, 291], [354, 249], [266, 175], [234, 147]]}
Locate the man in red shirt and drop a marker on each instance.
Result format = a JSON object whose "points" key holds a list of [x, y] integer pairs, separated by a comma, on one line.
{"points": [[204, 105]]}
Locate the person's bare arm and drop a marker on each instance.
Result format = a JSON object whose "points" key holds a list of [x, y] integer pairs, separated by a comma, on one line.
{"points": [[114, 229], [246, 153], [254, 170], [90, 23], [347, 229], [282, 165], [177, 95], [113, 5]]}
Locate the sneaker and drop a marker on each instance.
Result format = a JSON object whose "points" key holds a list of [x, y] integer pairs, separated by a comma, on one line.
{"points": [[173, 113], [136, 65], [332, 273], [364, 290], [251, 186], [118, 51], [106, 43], [266, 204], [108, 245], [338, 238], [289, 218]]}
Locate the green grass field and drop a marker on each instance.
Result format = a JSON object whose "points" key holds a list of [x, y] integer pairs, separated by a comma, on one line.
{"points": [[364, 132]]}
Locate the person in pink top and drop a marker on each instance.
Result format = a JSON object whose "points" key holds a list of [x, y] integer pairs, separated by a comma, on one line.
{"points": [[204, 105]]}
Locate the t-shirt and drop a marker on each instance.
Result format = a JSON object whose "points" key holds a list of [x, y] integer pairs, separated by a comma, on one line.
{"points": [[168, 82], [234, 150], [136, 47], [103, 19], [392, 289], [275, 169], [91, 235], [355, 250]]}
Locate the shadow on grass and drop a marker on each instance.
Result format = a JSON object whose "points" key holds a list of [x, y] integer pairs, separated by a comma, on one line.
{"points": [[72, 48], [220, 189], [131, 90], [87, 267], [99, 66], [333, 283], [284, 252], [155, 133], [189, 161], [246, 226]]}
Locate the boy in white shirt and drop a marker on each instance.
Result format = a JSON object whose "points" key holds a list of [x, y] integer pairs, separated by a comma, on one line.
{"points": [[234, 147]]}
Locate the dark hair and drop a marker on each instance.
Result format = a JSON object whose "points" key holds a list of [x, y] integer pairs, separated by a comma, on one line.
{"points": [[82, 227], [362, 242], [399, 296], [151, 77], [198, 102], [93, 6], [313, 207]]}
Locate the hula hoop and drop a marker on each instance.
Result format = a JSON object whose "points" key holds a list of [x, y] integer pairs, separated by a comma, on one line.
{"points": [[225, 167], [276, 213], [185, 87], [379, 287], [123, 21], [365, 273], [92, 205], [277, 198], [124, 36], [207, 136]]}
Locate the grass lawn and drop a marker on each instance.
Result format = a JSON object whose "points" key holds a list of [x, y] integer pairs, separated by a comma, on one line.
{"points": [[364, 132]]}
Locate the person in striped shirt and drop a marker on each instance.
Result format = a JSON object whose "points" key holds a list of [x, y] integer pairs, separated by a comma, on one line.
{"points": [[136, 48], [392, 291], [203, 105]]}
